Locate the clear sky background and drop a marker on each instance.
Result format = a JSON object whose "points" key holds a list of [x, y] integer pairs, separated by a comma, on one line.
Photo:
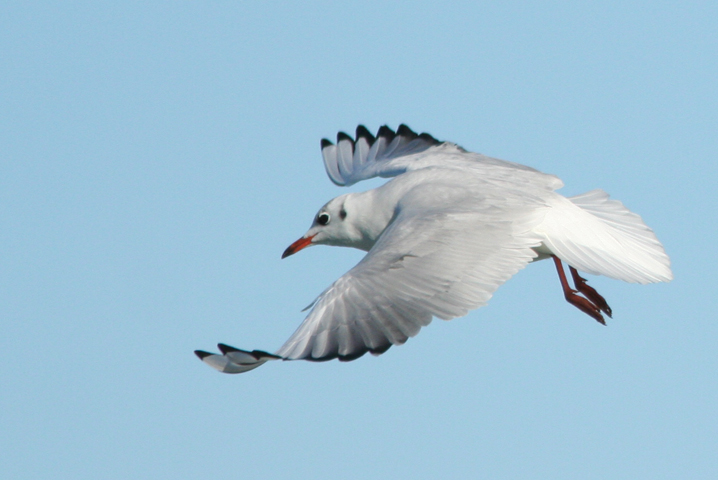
{"points": [[158, 157]]}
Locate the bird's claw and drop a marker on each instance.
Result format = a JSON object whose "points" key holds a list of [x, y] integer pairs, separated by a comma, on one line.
{"points": [[585, 305], [590, 293]]}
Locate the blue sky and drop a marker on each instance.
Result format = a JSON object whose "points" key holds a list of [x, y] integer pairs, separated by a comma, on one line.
{"points": [[158, 158]]}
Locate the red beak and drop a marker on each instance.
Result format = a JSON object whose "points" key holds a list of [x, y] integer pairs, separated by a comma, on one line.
{"points": [[298, 245]]}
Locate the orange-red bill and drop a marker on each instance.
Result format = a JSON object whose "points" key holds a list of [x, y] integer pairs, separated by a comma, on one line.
{"points": [[298, 245]]}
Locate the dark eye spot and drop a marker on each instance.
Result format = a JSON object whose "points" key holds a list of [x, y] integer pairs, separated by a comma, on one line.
{"points": [[323, 218], [342, 214]]}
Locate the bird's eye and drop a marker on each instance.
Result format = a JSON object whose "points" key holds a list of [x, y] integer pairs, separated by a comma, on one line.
{"points": [[323, 218]]}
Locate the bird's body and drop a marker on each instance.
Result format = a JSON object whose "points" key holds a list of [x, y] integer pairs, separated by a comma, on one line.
{"points": [[442, 235]]}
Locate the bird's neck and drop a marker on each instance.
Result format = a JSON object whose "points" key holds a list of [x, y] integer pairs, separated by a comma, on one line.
{"points": [[370, 213]]}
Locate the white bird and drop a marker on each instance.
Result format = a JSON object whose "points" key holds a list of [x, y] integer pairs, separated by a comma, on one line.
{"points": [[442, 236]]}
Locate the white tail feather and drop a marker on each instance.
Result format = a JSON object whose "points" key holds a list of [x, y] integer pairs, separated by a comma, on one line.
{"points": [[603, 237]]}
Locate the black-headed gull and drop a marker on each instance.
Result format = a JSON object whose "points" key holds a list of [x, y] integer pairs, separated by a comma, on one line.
{"points": [[442, 235]]}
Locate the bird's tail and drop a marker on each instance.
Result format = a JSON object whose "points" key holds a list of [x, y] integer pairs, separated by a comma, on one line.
{"points": [[603, 237]]}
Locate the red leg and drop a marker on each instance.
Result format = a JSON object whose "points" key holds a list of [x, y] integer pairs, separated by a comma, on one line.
{"points": [[571, 296], [589, 292]]}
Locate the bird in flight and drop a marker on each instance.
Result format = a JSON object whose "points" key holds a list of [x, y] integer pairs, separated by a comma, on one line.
{"points": [[441, 236]]}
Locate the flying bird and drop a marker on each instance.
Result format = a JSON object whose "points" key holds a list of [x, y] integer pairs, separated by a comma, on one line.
{"points": [[441, 236]]}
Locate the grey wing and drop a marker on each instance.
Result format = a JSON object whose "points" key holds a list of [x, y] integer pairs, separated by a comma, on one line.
{"points": [[441, 263], [350, 161], [392, 153], [234, 360]]}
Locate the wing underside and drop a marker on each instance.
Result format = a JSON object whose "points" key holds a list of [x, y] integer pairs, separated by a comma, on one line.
{"points": [[441, 263]]}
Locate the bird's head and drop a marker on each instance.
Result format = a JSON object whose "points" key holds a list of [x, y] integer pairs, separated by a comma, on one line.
{"points": [[331, 226]]}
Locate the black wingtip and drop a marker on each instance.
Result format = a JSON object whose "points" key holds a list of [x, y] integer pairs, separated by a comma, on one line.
{"points": [[405, 131], [341, 136], [354, 356], [428, 138], [259, 354], [386, 132], [225, 349], [363, 132], [202, 354], [350, 357], [380, 349]]}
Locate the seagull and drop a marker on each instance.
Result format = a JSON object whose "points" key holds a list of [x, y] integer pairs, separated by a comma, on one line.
{"points": [[441, 236]]}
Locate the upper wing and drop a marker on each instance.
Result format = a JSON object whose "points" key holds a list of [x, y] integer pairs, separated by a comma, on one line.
{"points": [[392, 153], [350, 161], [442, 262]]}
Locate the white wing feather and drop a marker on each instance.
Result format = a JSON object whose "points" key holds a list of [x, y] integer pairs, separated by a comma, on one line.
{"points": [[409, 276]]}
